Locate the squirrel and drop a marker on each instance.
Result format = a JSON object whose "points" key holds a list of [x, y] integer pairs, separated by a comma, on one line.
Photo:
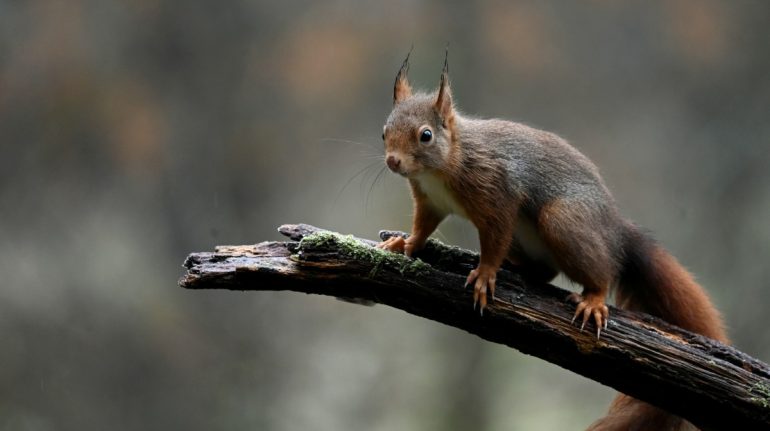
{"points": [[542, 205]]}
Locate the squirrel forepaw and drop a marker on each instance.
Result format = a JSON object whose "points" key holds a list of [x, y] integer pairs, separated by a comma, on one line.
{"points": [[591, 306], [484, 277], [398, 244], [395, 244]]}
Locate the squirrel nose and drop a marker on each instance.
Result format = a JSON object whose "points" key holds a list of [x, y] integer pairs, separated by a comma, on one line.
{"points": [[393, 163]]}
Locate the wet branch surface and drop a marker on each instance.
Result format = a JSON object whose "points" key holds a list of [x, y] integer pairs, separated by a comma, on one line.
{"points": [[713, 385]]}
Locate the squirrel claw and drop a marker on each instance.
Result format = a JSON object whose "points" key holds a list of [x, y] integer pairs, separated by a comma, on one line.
{"points": [[592, 307], [483, 279]]}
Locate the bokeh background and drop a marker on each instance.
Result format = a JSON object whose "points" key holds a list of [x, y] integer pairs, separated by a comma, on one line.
{"points": [[134, 132]]}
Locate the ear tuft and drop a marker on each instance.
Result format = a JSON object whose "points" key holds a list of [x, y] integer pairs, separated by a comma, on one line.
{"points": [[443, 104], [401, 89]]}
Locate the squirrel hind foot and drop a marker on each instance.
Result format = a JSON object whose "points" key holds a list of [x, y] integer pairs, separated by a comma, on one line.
{"points": [[592, 306]]}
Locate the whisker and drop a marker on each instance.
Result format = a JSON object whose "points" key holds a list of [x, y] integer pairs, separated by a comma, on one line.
{"points": [[377, 157], [350, 180], [365, 180], [366, 202], [367, 151], [348, 141]]}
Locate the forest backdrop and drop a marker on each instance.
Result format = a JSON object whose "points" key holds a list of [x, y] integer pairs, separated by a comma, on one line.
{"points": [[134, 132]]}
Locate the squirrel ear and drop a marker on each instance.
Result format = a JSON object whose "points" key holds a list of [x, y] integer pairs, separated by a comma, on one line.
{"points": [[401, 89], [443, 103]]}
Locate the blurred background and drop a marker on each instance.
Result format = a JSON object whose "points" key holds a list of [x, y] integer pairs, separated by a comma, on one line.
{"points": [[135, 132]]}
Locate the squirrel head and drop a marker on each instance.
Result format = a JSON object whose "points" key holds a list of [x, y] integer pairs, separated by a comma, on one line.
{"points": [[419, 132]]}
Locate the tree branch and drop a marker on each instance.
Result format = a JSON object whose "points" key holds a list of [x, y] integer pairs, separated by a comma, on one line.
{"points": [[712, 385]]}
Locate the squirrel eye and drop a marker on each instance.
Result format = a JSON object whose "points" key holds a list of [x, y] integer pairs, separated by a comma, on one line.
{"points": [[426, 135], [383, 136]]}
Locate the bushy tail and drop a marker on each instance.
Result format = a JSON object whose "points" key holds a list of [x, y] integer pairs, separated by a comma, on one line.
{"points": [[652, 281]]}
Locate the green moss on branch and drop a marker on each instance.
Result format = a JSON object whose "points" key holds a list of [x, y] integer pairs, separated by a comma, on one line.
{"points": [[350, 247]]}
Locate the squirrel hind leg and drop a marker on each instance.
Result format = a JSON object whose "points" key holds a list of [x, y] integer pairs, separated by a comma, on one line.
{"points": [[583, 256]]}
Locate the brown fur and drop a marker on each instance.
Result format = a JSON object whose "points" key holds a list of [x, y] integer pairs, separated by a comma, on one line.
{"points": [[424, 222], [582, 256], [630, 414], [659, 285], [654, 282], [539, 202]]}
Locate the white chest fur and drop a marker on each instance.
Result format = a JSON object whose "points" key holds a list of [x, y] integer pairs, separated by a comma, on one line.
{"points": [[526, 235], [439, 195]]}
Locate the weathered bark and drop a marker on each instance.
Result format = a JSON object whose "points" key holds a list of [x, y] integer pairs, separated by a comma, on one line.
{"points": [[713, 385]]}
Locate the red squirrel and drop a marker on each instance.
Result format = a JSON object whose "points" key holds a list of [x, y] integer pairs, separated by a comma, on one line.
{"points": [[541, 204]]}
